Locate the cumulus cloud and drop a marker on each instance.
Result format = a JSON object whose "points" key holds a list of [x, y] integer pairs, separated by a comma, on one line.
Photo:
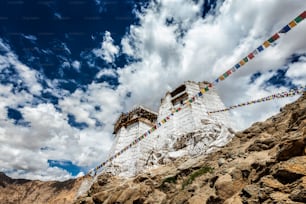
{"points": [[76, 65], [108, 50]]}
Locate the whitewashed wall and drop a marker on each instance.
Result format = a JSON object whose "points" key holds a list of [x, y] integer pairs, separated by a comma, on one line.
{"points": [[211, 130]]}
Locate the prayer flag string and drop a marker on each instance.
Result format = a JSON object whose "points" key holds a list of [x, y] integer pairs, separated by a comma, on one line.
{"points": [[222, 77], [268, 98]]}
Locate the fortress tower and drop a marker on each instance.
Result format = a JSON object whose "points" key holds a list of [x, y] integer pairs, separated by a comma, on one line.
{"points": [[190, 131]]}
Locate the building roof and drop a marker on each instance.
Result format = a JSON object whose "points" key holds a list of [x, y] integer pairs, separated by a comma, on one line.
{"points": [[137, 114]]}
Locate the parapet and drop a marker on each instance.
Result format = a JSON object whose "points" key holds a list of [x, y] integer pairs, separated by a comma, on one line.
{"points": [[140, 113]]}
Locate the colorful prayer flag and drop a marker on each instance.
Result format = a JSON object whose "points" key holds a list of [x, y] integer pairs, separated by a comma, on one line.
{"points": [[229, 72], [285, 29], [241, 62], [292, 24], [251, 56], [303, 15], [260, 48], [298, 19], [275, 36], [233, 69], [225, 75], [255, 52], [266, 44], [221, 77], [200, 94], [237, 66], [245, 59]]}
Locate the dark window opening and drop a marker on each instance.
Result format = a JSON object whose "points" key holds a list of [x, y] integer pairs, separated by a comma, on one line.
{"points": [[179, 99], [178, 90]]}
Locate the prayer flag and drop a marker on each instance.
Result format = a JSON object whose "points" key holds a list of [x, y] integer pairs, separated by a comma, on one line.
{"points": [[206, 89], [266, 44], [200, 94], [237, 66], [233, 69], [241, 62], [298, 19], [228, 72], [271, 40], [225, 75], [292, 24], [255, 52], [251, 56], [303, 15], [285, 29], [202, 91], [217, 80], [245, 59], [221, 77], [275, 36], [260, 48]]}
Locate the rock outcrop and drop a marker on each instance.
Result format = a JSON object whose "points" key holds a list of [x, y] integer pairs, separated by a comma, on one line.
{"points": [[265, 163], [24, 191]]}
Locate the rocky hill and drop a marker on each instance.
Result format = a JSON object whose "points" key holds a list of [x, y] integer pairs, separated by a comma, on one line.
{"points": [[265, 163], [13, 191]]}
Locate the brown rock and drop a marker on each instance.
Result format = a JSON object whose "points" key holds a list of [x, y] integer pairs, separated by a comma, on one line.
{"points": [[291, 149], [260, 145], [291, 170], [298, 195], [268, 181], [226, 187]]}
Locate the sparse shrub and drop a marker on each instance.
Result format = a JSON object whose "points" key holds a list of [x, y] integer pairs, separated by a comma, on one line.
{"points": [[195, 174]]}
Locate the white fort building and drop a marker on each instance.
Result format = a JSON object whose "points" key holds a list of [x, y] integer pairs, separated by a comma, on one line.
{"points": [[189, 132]]}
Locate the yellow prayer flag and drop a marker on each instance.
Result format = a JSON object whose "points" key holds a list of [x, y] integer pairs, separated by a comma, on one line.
{"points": [[292, 24], [202, 91], [242, 62], [266, 44]]}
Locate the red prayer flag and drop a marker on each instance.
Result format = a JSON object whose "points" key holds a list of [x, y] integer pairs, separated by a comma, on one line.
{"points": [[303, 15], [251, 56], [275, 36], [228, 72]]}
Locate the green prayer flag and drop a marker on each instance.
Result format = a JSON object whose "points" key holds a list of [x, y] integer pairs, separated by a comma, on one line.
{"points": [[298, 19]]}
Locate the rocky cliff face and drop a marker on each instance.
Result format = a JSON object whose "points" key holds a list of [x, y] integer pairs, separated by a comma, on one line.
{"points": [[24, 191], [265, 163]]}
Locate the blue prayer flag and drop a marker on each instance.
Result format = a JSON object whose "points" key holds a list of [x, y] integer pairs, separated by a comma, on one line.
{"points": [[260, 48], [285, 29]]}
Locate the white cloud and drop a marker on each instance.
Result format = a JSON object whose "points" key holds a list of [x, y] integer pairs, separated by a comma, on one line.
{"points": [[28, 76], [108, 50], [107, 72], [297, 72], [76, 65]]}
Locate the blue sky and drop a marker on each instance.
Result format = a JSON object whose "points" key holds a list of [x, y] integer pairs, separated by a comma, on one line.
{"points": [[69, 68]]}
